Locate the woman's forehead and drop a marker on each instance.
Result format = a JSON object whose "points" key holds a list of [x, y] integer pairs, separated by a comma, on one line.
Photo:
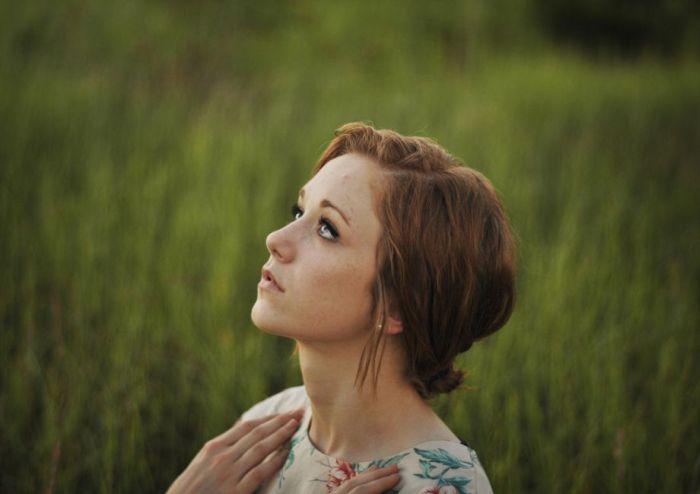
{"points": [[349, 182], [348, 177]]}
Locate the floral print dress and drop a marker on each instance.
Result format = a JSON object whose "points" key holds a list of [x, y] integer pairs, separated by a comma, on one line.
{"points": [[433, 467]]}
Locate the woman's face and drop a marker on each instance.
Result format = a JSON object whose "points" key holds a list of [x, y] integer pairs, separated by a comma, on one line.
{"points": [[317, 284]]}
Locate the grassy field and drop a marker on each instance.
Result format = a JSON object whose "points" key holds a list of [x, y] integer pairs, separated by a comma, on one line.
{"points": [[146, 151]]}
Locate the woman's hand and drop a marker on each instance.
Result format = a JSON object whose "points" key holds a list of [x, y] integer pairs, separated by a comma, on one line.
{"points": [[241, 459], [373, 481]]}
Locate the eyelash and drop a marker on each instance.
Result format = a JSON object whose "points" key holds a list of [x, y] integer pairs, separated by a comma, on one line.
{"points": [[297, 212]]}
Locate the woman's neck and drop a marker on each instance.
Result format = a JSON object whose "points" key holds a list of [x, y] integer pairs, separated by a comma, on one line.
{"points": [[358, 424]]}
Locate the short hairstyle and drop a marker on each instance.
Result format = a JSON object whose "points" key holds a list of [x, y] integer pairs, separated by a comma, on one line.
{"points": [[446, 256]]}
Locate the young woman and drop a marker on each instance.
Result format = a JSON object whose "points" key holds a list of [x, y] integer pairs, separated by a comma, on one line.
{"points": [[397, 259]]}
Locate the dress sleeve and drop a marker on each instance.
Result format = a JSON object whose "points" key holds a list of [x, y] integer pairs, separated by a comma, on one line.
{"points": [[443, 468], [481, 481], [284, 401]]}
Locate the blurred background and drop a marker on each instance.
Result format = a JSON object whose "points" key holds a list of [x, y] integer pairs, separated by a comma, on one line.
{"points": [[147, 148]]}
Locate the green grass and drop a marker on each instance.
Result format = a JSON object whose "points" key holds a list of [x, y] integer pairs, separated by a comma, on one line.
{"points": [[140, 173]]}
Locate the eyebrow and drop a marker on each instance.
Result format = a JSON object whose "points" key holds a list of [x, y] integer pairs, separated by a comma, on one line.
{"points": [[326, 203]]}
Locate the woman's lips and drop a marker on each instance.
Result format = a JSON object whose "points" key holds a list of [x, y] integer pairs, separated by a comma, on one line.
{"points": [[268, 282]]}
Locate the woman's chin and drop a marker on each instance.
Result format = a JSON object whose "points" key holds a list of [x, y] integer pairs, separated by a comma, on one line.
{"points": [[265, 323], [257, 313]]}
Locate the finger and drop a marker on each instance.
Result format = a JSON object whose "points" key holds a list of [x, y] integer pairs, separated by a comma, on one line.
{"points": [[259, 433], [258, 451], [297, 413], [240, 429], [260, 473]]}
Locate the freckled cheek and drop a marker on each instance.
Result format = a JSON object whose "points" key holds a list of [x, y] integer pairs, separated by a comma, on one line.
{"points": [[346, 286]]}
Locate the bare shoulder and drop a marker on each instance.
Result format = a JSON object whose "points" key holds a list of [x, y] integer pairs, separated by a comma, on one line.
{"points": [[432, 428]]}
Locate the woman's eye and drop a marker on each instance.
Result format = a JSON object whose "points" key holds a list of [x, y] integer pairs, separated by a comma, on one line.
{"points": [[325, 230], [296, 212]]}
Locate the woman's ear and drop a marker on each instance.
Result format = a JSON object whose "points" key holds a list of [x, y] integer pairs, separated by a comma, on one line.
{"points": [[391, 320], [392, 325]]}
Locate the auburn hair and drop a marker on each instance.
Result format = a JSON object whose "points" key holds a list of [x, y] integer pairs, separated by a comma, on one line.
{"points": [[446, 257]]}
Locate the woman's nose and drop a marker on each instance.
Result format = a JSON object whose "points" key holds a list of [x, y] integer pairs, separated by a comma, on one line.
{"points": [[280, 246]]}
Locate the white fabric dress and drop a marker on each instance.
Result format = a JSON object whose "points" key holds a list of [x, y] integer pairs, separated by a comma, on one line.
{"points": [[433, 467]]}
